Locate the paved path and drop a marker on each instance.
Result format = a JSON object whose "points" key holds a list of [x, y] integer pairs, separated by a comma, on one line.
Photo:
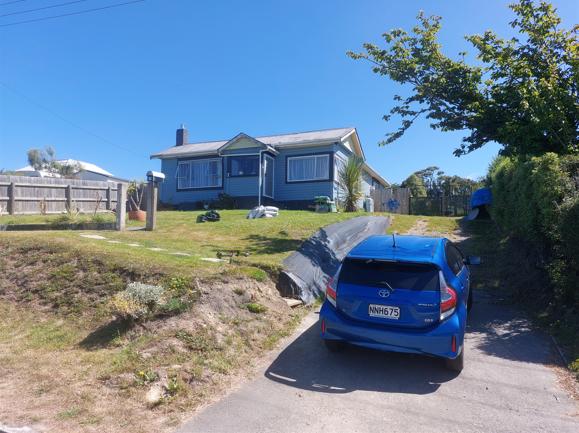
{"points": [[155, 249], [506, 386]]}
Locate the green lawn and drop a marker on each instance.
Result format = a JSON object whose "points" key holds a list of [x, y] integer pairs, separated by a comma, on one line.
{"points": [[264, 242]]}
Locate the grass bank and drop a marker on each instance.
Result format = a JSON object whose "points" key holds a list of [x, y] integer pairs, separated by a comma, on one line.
{"points": [[68, 365], [263, 242]]}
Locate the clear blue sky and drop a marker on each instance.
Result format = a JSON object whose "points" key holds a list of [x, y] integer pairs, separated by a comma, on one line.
{"points": [[111, 87]]}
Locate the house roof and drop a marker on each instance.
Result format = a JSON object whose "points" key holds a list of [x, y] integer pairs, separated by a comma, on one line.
{"points": [[81, 164], [281, 140]]}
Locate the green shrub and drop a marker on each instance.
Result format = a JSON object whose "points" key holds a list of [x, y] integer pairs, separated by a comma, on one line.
{"points": [[175, 306], [98, 219], [256, 308], [179, 295], [536, 200], [527, 194], [179, 286]]}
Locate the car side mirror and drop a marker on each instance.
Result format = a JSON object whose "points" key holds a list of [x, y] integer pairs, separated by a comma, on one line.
{"points": [[472, 260]]}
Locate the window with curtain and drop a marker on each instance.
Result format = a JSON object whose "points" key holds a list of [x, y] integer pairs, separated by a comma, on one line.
{"points": [[199, 173], [311, 167], [243, 166]]}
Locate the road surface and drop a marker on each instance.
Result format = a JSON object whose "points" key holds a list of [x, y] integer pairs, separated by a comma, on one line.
{"points": [[508, 385]]}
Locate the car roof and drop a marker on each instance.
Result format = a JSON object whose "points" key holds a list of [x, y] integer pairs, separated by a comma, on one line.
{"points": [[423, 249]]}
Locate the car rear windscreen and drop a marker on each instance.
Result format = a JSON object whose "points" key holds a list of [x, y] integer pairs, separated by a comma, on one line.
{"points": [[376, 273]]}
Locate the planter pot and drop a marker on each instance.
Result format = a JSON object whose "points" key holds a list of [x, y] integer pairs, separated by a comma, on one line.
{"points": [[138, 215]]}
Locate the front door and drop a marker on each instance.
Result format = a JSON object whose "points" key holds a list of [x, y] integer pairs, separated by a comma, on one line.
{"points": [[268, 172]]}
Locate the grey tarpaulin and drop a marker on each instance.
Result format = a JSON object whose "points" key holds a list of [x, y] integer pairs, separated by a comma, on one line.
{"points": [[307, 270]]}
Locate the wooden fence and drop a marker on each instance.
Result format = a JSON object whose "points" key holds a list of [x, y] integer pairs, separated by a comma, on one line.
{"points": [[38, 195], [395, 200]]}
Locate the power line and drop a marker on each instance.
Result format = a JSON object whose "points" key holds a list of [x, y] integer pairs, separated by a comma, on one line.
{"points": [[42, 8], [72, 13], [13, 1], [86, 131]]}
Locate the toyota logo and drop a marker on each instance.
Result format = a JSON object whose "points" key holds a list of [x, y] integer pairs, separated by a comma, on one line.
{"points": [[384, 293]]}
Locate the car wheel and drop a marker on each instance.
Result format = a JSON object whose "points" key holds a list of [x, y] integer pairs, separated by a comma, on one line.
{"points": [[334, 345], [469, 302], [456, 364]]}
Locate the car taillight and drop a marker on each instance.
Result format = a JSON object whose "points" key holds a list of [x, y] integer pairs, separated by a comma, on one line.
{"points": [[331, 293], [448, 299]]}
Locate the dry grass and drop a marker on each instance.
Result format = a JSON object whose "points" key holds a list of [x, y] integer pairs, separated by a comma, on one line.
{"points": [[70, 369]]}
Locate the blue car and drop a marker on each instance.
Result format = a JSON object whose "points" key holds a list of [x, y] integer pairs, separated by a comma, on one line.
{"points": [[403, 294]]}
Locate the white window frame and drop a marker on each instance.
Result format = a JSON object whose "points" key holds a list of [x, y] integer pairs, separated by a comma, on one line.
{"points": [[191, 164], [313, 179]]}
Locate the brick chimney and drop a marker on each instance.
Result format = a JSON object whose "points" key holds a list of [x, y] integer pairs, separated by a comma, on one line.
{"points": [[181, 136]]}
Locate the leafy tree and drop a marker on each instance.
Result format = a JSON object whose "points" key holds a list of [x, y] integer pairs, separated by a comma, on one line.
{"points": [[44, 159], [429, 176], [456, 185], [40, 159], [523, 96], [350, 179], [415, 184], [432, 182]]}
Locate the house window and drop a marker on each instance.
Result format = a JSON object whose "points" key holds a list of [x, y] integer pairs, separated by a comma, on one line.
{"points": [[308, 168], [243, 166], [199, 173]]}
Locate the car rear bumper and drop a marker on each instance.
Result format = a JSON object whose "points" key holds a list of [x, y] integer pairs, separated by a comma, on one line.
{"points": [[435, 341]]}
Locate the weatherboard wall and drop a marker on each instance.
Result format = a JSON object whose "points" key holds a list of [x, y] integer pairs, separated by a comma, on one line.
{"points": [[298, 194]]}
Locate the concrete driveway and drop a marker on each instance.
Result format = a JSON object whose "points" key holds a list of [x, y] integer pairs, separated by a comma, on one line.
{"points": [[508, 385]]}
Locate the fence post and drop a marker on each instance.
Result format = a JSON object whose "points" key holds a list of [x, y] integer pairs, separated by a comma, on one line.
{"points": [[109, 198], [121, 206], [11, 199], [151, 206], [68, 195]]}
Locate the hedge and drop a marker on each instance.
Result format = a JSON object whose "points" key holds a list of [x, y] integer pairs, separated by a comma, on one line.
{"points": [[537, 200]]}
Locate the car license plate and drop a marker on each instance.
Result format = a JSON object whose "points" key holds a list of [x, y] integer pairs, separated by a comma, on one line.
{"points": [[385, 311]]}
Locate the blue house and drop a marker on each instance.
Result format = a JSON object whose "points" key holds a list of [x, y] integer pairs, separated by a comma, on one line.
{"points": [[286, 170]]}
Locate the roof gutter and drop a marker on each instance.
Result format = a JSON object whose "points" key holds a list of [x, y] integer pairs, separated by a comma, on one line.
{"points": [[182, 155]]}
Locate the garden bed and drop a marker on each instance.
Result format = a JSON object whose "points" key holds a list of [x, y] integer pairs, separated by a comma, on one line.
{"points": [[58, 226]]}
